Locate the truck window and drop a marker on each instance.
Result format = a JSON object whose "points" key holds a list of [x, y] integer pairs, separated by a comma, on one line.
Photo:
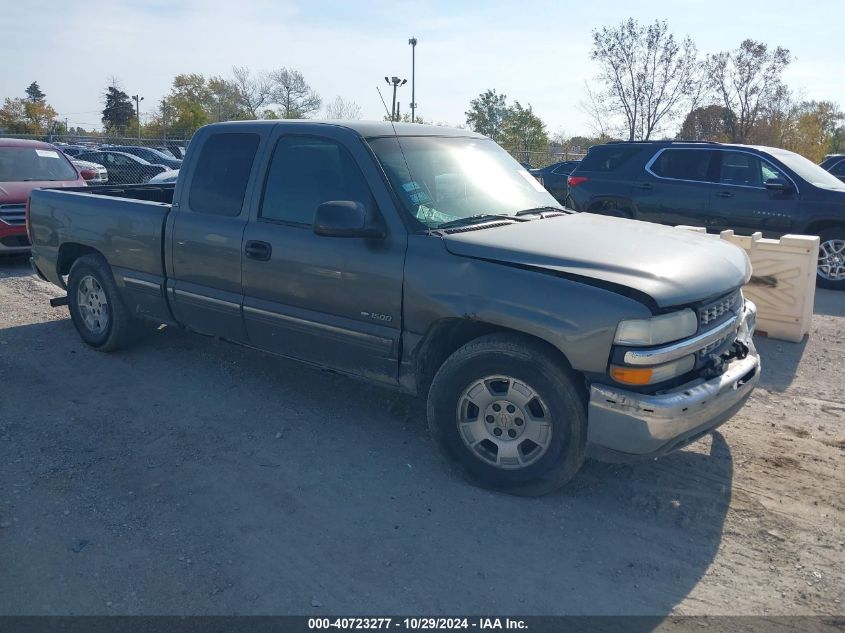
{"points": [[219, 182], [305, 172]]}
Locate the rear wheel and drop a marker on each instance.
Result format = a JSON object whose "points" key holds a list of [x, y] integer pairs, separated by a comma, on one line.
{"points": [[831, 266], [509, 414], [96, 308]]}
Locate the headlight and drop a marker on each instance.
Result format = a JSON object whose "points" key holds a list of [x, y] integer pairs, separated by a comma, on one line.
{"points": [[656, 330], [652, 375]]}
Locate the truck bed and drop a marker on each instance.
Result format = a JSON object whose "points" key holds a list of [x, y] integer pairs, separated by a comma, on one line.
{"points": [[124, 224]]}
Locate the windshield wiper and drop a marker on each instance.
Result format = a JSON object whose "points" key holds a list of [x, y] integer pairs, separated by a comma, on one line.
{"points": [[541, 209], [477, 219]]}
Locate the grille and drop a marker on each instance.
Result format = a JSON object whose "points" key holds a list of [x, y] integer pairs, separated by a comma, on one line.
{"points": [[716, 310], [13, 214]]}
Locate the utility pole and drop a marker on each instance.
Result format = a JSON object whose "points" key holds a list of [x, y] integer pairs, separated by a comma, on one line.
{"points": [[413, 43], [138, 100], [396, 83], [164, 120]]}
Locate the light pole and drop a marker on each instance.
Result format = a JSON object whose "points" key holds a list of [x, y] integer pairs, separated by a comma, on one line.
{"points": [[413, 43], [138, 100], [396, 83]]}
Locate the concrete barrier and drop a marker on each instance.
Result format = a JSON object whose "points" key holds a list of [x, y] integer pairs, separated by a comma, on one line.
{"points": [[783, 281]]}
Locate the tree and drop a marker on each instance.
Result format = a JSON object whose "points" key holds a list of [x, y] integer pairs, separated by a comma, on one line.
{"points": [[340, 108], [487, 113], [406, 118], [118, 113], [293, 94], [813, 129], [748, 80], [224, 102], [253, 91], [33, 92], [648, 76], [710, 123], [524, 131], [13, 117]]}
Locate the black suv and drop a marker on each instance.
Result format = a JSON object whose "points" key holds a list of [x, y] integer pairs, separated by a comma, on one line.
{"points": [[718, 186], [835, 164]]}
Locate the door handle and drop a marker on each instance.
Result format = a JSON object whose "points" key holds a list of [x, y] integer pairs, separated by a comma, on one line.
{"points": [[260, 251], [725, 194], [646, 185]]}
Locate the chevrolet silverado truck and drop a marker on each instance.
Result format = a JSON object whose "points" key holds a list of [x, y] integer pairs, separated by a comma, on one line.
{"points": [[427, 260]]}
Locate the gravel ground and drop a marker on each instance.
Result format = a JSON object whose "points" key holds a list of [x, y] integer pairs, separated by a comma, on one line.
{"points": [[189, 476]]}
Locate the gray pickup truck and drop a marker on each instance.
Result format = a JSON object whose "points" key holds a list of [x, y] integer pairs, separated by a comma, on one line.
{"points": [[427, 260]]}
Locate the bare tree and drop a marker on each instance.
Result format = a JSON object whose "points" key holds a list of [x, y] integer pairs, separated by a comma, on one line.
{"points": [[648, 75], [340, 108], [294, 95], [748, 81], [600, 116], [253, 91]]}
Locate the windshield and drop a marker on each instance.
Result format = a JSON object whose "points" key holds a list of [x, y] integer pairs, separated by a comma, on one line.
{"points": [[19, 164], [808, 170], [443, 180]]}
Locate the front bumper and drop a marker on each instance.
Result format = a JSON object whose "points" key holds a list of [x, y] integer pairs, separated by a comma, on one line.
{"points": [[13, 239], [624, 425]]}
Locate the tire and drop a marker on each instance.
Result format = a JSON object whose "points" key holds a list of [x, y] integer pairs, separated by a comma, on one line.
{"points": [[831, 270], [96, 309], [505, 370]]}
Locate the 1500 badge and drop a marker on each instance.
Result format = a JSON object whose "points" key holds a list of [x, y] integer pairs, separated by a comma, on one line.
{"points": [[375, 316]]}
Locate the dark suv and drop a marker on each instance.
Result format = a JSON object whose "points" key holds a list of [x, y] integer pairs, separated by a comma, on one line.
{"points": [[718, 186], [835, 164]]}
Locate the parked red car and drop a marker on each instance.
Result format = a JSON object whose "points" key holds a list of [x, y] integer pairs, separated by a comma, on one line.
{"points": [[24, 166]]}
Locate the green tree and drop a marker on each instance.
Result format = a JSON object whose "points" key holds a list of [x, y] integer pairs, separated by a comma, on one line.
{"points": [[293, 94], [524, 132], [13, 117], [748, 81], [649, 77], [710, 123], [33, 92], [118, 111], [487, 114]]}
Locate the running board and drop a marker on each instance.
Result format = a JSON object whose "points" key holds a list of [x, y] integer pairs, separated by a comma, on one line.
{"points": [[58, 301]]}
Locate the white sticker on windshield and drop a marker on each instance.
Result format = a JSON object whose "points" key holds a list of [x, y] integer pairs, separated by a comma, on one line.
{"points": [[532, 180], [47, 153]]}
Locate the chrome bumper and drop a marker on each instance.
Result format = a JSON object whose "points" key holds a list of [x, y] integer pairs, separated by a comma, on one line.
{"points": [[626, 425]]}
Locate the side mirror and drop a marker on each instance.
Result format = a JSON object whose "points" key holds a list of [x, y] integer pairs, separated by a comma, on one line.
{"points": [[346, 218], [778, 184]]}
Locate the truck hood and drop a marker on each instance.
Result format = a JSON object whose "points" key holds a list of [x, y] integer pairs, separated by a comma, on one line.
{"points": [[672, 266], [18, 192]]}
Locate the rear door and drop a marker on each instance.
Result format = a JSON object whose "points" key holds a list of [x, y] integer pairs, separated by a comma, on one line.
{"points": [[206, 232], [335, 302], [674, 187], [741, 200]]}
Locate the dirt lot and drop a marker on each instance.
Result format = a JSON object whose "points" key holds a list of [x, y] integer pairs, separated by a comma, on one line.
{"points": [[191, 476]]}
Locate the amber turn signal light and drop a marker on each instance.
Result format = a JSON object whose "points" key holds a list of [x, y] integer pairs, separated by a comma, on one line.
{"points": [[631, 375]]}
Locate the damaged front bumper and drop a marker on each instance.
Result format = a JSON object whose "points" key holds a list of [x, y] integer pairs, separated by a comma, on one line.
{"points": [[625, 425]]}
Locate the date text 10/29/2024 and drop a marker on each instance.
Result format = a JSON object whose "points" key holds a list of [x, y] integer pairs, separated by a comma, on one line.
{"points": [[418, 624]]}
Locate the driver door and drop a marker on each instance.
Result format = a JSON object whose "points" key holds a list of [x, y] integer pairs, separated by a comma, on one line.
{"points": [[335, 302]]}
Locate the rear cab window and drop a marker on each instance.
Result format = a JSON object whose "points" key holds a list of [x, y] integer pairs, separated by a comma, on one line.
{"points": [[220, 179], [22, 164]]}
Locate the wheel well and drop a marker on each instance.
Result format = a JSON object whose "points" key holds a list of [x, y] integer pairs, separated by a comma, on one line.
{"points": [[817, 227], [69, 253], [446, 337]]}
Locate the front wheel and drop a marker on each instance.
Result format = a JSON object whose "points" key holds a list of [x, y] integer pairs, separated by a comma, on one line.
{"points": [[509, 414], [831, 267]]}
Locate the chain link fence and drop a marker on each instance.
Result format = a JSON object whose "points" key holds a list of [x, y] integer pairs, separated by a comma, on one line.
{"points": [[554, 154], [118, 160]]}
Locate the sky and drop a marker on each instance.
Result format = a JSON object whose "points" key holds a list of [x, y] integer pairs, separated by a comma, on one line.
{"points": [[533, 51]]}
